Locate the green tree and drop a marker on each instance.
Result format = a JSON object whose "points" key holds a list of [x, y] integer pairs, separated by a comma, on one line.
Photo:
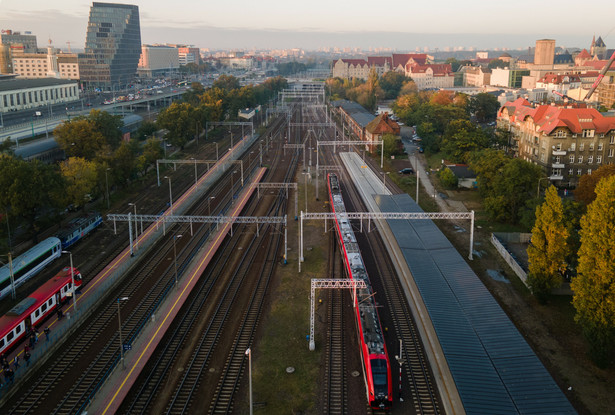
{"points": [[179, 119], [448, 178], [110, 126], [484, 106], [80, 138], [549, 249], [28, 189], [81, 177], [226, 83], [123, 162], [497, 63], [145, 130], [594, 287], [391, 83], [391, 145], [460, 139]]}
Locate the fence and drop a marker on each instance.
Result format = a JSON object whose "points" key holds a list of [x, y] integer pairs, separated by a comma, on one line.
{"points": [[509, 259]]}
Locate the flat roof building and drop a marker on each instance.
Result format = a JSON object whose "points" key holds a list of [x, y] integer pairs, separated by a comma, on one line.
{"points": [[19, 94]]}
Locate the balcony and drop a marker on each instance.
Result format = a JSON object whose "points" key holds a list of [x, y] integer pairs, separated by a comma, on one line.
{"points": [[558, 152], [558, 177], [557, 165]]}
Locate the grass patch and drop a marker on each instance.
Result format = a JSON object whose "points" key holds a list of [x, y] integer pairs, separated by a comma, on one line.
{"points": [[283, 342]]}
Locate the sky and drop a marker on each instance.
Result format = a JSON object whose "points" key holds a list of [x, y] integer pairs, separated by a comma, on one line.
{"points": [[267, 24]]}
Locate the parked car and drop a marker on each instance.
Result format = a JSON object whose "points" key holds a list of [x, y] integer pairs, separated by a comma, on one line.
{"points": [[407, 170], [421, 150]]}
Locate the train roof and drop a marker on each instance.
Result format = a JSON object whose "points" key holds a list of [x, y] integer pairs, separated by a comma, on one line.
{"points": [[73, 223], [36, 147], [29, 256], [28, 304]]}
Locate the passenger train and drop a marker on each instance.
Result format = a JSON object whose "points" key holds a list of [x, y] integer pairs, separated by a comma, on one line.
{"points": [[79, 228], [29, 263], [376, 366], [32, 310]]}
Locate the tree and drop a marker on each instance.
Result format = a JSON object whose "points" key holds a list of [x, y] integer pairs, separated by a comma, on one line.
{"points": [[462, 138], [391, 83], [124, 160], [179, 119], [391, 144], [497, 63], [226, 83], [586, 190], [80, 176], [80, 138], [110, 126], [549, 249], [594, 287], [152, 151], [484, 106], [145, 130], [448, 178]]}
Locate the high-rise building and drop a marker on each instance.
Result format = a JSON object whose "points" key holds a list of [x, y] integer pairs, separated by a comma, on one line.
{"points": [[25, 42], [112, 46], [545, 52]]}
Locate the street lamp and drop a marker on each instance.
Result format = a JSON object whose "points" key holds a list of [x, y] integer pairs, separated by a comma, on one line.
{"points": [[175, 255], [249, 354], [170, 194], [72, 277], [119, 321], [136, 225], [306, 200], [209, 204], [384, 176], [195, 174], [538, 189], [107, 185]]}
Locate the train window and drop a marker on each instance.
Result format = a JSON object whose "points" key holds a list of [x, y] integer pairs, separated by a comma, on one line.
{"points": [[1, 343], [10, 336], [18, 329], [37, 313], [44, 307], [50, 302]]}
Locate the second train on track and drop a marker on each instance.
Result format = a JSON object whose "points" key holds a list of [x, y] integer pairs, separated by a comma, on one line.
{"points": [[376, 366]]}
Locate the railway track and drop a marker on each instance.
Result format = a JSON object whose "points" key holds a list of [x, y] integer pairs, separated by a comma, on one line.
{"points": [[335, 391], [102, 326]]}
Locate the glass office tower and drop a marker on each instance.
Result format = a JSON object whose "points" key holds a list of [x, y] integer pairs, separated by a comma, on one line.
{"points": [[112, 46]]}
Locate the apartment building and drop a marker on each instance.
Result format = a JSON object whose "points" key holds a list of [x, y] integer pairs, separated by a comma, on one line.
{"points": [[566, 142]]}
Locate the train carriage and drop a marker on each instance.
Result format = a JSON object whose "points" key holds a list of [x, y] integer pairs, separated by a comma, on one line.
{"points": [[33, 310], [376, 366], [29, 264], [79, 228]]}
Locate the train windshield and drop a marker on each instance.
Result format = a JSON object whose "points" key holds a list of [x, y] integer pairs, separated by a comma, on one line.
{"points": [[379, 375]]}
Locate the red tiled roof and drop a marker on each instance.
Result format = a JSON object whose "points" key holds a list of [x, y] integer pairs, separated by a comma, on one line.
{"points": [[584, 54], [596, 64], [438, 69], [379, 60], [401, 59], [552, 78], [548, 117]]}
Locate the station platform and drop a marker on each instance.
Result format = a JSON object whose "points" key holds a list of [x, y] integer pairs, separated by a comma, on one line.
{"points": [[110, 396], [482, 364]]}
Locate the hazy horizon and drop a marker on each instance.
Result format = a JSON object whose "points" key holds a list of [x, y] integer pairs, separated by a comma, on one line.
{"points": [[280, 25]]}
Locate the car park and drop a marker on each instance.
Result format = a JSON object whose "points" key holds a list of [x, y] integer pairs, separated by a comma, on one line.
{"points": [[407, 170]]}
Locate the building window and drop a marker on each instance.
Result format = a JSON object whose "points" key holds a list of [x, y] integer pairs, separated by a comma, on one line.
{"points": [[598, 159], [570, 172], [612, 140], [560, 134], [588, 133], [589, 171], [610, 152], [591, 147], [581, 146], [573, 146], [579, 172], [600, 146], [590, 159], [580, 159], [557, 159]]}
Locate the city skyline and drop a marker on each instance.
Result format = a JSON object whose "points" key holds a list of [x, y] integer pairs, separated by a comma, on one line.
{"points": [[273, 24]]}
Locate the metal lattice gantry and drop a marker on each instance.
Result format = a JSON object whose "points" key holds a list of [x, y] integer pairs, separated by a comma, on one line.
{"points": [[330, 283], [386, 216], [164, 219], [349, 143], [280, 186], [230, 124]]}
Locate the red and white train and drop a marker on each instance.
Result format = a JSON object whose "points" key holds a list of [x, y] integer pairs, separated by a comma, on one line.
{"points": [[376, 366], [33, 310]]}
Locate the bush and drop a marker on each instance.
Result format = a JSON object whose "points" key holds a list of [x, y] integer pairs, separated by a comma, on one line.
{"points": [[448, 178]]}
